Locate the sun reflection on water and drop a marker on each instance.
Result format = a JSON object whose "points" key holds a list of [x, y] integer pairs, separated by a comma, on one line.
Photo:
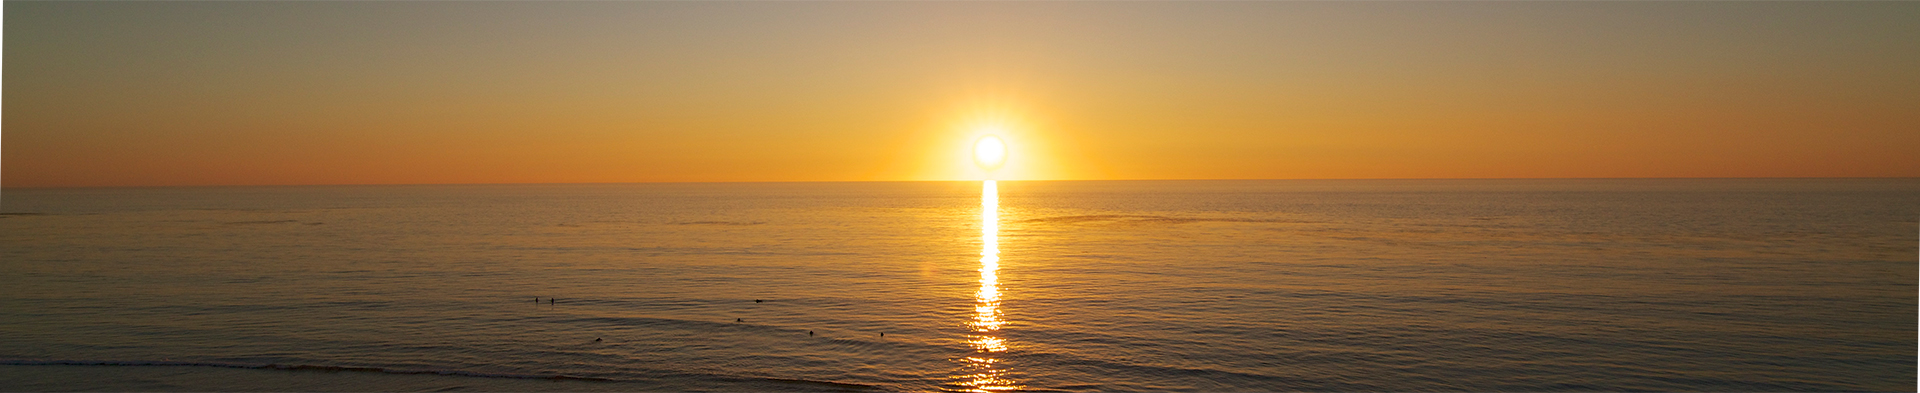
{"points": [[979, 371]]}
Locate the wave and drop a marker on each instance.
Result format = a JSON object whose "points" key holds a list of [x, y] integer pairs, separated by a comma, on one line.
{"points": [[1235, 380], [749, 325], [290, 367], [382, 370], [1136, 218], [733, 223], [261, 222]]}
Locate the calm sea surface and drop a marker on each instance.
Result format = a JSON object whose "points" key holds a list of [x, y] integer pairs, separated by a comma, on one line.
{"points": [[1689, 285]]}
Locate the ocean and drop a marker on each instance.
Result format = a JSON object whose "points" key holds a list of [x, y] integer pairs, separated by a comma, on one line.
{"points": [[1282, 285]]}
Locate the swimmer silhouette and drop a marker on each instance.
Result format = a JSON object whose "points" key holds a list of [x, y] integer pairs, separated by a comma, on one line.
{"points": [[739, 320], [809, 333], [550, 300], [756, 300], [596, 340]]}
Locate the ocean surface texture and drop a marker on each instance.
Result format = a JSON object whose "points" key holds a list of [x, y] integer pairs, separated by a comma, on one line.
{"points": [[1441, 285]]}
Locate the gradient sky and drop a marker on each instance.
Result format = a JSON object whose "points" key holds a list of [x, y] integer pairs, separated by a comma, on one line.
{"points": [[241, 93]]}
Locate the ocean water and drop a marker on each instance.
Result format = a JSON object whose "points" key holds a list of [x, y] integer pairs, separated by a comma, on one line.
{"points": [[1362, 285]]}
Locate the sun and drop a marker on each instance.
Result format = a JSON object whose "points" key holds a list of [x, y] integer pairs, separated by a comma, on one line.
{"points": [[989, 152]]}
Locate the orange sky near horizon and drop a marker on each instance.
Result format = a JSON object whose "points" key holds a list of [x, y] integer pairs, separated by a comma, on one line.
{"points": [[273, 93]]}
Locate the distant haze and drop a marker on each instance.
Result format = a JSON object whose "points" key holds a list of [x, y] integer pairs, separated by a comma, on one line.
{"points": [[241, 93]]}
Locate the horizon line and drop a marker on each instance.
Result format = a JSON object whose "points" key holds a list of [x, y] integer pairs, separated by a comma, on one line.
{"points": [[2, 187]]}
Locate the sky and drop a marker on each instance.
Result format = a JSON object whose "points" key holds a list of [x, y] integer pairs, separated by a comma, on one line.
{"points": [[281, 93]]}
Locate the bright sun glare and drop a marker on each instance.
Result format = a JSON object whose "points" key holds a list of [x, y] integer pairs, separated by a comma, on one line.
{"points": [[989, 152]]}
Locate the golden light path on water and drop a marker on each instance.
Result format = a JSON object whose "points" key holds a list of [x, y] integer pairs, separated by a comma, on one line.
{"points": [[981, 374]]}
